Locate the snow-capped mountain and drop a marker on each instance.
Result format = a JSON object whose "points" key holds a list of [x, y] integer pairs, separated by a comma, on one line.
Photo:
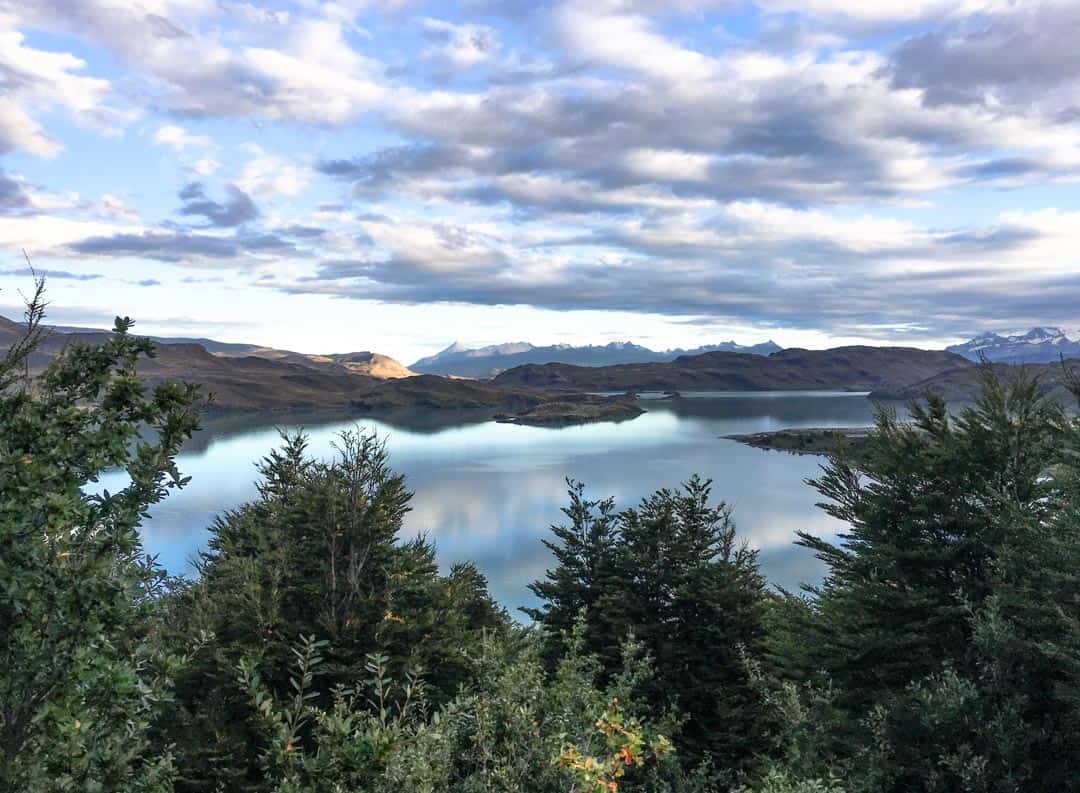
{"points": [[489, 361], [1038, 345]]}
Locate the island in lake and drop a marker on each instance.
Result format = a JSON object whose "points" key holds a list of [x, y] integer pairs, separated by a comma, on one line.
{"points": [[807, 440]]}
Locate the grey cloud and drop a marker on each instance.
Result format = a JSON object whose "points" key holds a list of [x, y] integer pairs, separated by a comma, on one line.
{"points": [[191, 279], [179, 246], [1016, 56], [64, 275], [791, 143], [236, 210], [165, 28], [798, 282], [302, 232], [13, 197]]}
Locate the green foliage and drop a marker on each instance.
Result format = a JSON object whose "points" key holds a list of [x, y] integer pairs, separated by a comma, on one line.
{"points": [[947, 628], [317, 650], [627, 747], [316, 555], [671, 574], [777, 781], [509, 731], [83, 675]]}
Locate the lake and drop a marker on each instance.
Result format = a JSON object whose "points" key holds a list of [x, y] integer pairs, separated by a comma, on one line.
{"points": [[488, 492]]}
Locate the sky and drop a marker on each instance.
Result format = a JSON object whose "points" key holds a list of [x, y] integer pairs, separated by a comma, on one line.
{"points": [[399, 175]]}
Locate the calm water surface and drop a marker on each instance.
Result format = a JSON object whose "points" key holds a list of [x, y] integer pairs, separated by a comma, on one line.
{"points": [[487, 492]]}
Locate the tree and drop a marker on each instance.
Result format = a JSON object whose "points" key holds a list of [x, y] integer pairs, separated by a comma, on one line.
{"points": [[511, 729], [671, 574], [930, 506], [948, 620], [81, 677], [317, 554], [584, 552]]}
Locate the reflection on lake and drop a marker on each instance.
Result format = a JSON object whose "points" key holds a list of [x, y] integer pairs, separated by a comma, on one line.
{"points": [[487, 492]]}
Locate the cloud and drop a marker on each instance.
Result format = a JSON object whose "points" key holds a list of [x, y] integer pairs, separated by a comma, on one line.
{"points": [[13, 195], [178, 139], [37, 80], [819, 168], [457, 47], [595, 35], [115, 207], [237, 209], [276, 67], [1023, 57], [267, 175], [755, 265], [204, 166], [59, 275], [184, 246]]}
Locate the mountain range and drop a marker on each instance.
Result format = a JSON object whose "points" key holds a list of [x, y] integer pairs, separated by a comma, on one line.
{"points": [[854, 368], [255, 378], [1038, 345], [459, 361]]}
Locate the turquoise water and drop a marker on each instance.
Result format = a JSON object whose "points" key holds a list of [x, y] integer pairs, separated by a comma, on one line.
{"points": [[487, 492]]}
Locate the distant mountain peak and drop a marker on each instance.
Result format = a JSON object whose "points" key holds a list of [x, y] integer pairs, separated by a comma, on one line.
{"points": [[1041, 344], [489, 361], [1036, 335]]}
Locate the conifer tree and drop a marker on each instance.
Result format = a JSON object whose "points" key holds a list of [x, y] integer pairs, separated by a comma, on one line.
{"points": [[82, 675], [929, 505], [670, 574], [948, 621], [584, 551], [317, 555]]}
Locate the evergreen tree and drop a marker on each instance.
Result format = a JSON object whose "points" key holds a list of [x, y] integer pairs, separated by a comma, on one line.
{"points": [[81, 675], [670, 574], [948, 622], [317, 554], [929, 505], [584, 552]]}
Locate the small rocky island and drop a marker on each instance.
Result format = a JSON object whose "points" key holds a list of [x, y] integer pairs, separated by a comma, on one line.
{"points": [[807, 440], [580, 409]]}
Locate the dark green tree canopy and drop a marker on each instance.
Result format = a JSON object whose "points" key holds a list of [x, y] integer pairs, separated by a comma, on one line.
{"points": [[671, 574]]}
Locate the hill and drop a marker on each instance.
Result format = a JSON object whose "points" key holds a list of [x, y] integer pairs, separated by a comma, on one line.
{"points": [[487, 362], [346, 381], [841, 368], [236, 382], [963, 384], [1038, 345], [371, 364]]}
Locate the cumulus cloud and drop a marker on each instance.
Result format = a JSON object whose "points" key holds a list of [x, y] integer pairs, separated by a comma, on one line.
{"points": [[178, 139], [1025, 56], [38, 80], [284, 67], [266, 174]]}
